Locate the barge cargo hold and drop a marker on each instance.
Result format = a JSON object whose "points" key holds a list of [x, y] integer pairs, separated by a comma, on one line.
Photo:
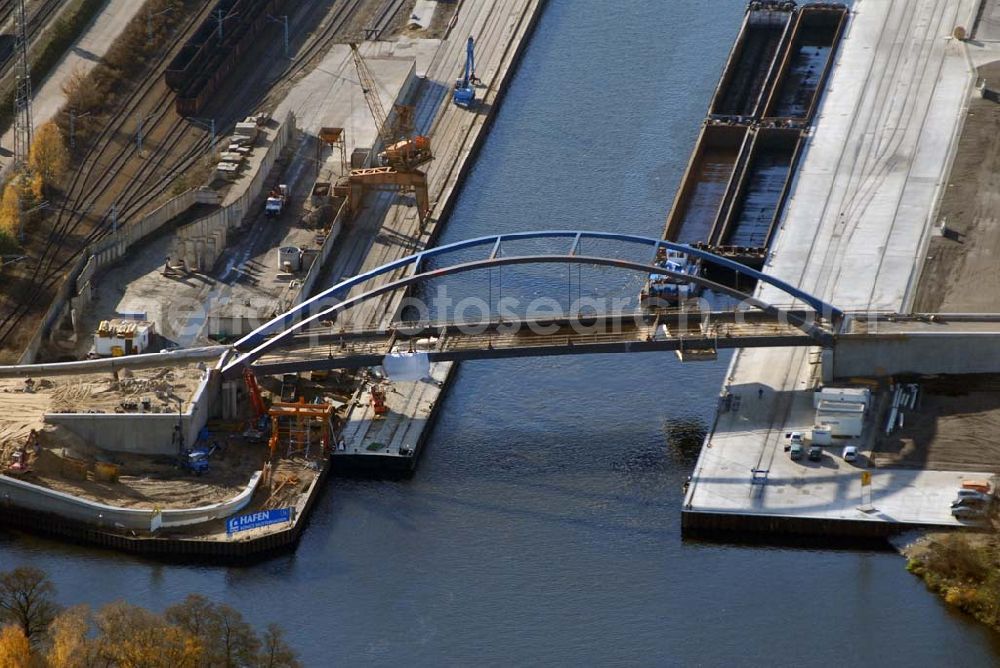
{"points": [[703, 189], [758, 48], [732, 193], [807, 62], [760, 190]]}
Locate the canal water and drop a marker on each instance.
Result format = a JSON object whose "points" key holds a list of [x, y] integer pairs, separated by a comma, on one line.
{"points": [[543, 525]]}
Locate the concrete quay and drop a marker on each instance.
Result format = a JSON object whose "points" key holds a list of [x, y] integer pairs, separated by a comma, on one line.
{"points": [[858, 219], [390, 229]]}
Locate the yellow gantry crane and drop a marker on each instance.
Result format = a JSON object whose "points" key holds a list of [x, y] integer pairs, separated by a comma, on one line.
{"points": [[403, 150]]}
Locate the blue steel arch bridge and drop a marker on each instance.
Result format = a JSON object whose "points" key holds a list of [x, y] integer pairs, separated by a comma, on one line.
{"points": [[314, 335]]}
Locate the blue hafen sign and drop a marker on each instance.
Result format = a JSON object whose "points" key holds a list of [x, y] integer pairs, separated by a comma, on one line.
{"points": [[256, 520]]}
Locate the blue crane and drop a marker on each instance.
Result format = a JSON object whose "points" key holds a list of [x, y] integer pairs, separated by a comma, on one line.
{"points": [[465, 92]]}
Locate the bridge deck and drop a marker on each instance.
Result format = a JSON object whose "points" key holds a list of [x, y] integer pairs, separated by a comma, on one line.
{"points": [[368, 348]]}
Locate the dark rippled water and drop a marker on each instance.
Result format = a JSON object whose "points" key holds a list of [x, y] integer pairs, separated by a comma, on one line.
{"points": [[543, 526]]}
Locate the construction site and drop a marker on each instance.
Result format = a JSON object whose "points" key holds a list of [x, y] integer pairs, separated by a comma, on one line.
{"points": [[214, 195]]}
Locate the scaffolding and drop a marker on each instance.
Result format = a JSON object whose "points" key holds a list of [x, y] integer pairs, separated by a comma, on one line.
{"points": [[303, 429]]}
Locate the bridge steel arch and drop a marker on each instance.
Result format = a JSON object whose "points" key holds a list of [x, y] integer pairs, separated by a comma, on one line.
{"points": [[265, 345], [495, 242]]}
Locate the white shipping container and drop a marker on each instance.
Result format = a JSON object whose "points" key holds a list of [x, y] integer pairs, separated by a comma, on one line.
{"points": [[842, 418], [850, 395]]}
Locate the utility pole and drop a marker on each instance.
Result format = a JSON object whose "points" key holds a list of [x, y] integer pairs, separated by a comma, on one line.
{"points": [[23, 215], [139, 119], [73, 118], [208, 124], [22, 92], [284, 22], [220, 19], [149, 21]]}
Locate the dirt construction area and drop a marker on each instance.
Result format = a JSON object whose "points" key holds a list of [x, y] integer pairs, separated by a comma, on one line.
{"points": [[954, 427], [59, 459], [962, 270]]}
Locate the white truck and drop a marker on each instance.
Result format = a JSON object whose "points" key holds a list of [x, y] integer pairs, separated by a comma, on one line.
{"points": [[276, 201]]}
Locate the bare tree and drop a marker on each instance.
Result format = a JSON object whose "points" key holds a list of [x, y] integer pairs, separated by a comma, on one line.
{"points": [[26, 600], [275, 652], [225, 637]]}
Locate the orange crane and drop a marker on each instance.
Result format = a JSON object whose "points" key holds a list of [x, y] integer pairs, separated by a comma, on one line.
{"points": [[294, 422], [256, 400], [387, 178], [401, 150]]}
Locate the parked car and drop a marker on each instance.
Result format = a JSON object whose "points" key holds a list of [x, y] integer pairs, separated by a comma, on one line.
{"points": [[968, 513], [795, 452], [815, 453], [972, 494], [850, 453], [970, 502]]}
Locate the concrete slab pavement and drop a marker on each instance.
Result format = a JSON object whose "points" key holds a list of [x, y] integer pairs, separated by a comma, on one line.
{"points": [[858, 217]]}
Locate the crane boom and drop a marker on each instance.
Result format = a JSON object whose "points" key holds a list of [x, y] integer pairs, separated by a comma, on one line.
{"points": [[470, 61], [401, 151], [370, 88]]}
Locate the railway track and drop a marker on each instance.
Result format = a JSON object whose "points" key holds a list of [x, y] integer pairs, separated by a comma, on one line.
{"points": [[37, 20], [105, 160], [388, 12], [322, 41], [165, 159]]}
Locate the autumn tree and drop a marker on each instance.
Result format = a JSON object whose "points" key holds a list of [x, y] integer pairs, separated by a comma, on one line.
{"points": [[70, 642], [225, 637], [82, 96], [133, 637], [26, 600], [8, 244], [48, 156], [194, 634], [15, 650], [10, 210]]}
